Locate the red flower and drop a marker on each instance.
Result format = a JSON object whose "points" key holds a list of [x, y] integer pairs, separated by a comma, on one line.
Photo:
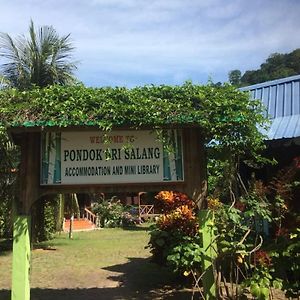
{"points": [[262, 258], [282, 232], [240, 206], [297, 162]]}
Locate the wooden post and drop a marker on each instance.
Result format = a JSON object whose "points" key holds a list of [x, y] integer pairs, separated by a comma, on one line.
{"points": [[206, 227], [71, 226], [21, 259], [195, 166], [29, 185]]}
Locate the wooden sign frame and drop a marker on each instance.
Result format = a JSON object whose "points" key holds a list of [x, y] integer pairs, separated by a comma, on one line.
{"points": [[29, 140]]}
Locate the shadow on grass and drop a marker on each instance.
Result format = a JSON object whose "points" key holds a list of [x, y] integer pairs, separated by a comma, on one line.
{"points": [[137, 228], [144, 278], [93, 294], [137, 279]]}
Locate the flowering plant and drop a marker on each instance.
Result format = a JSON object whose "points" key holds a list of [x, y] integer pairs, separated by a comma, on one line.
{"points": [[167, 201]]}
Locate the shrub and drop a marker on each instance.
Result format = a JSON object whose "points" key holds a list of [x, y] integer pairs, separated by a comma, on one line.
{"points": [[128, 219], [167, 201], [110, 212], [181, 219], [186, 256], [176, 227], [286, 258]]}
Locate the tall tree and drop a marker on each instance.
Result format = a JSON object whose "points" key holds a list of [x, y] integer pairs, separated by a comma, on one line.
{"points": [[43, 58], [234, 77]]}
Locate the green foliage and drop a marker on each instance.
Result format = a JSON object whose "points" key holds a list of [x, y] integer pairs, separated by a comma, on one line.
{"points": [[239, 239], [286, 257], [186, 256], [161, 243], [129, 220], [257, 207], [9, 155], [260, 283], [50, 219], [44, 218], [234, 77], [110, 212], [41, 59], [6, 217], [223, 113], [173, 239]]}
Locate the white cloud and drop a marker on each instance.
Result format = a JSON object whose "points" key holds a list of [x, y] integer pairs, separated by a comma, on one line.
{"points": [[137, 41]]}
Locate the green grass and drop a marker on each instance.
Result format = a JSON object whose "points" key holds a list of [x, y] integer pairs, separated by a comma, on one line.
{"points": [[111, 259]]}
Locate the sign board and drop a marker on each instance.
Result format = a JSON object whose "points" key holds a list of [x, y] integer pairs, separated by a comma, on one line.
{"points": [[95, 157]]}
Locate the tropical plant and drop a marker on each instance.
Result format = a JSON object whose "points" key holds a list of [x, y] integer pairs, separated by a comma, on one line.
{"points": [[176, 227], [168, 201], [44, 222], [9, 155], [285, 254], [42, 59], [110, 212], [186, 256]]}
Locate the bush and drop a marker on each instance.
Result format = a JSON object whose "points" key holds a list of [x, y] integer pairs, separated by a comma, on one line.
{"points": [[176, 227], [181, 219], [128, 219], [112, 213], [286, 258], [168, 201], [186, 256]]}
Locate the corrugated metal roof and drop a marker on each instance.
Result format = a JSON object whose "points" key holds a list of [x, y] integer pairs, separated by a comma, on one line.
{"points": [[282, 100]]}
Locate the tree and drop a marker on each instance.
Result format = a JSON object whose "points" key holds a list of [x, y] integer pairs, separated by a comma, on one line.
{"points": [[277, 65], [9, 157], [42, 59], [234, 77]]}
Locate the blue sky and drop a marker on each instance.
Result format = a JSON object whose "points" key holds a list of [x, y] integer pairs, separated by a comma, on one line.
{"points": [[138, 42]]}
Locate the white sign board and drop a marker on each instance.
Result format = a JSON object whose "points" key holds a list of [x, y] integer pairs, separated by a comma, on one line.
{"points": [[94, 157]]}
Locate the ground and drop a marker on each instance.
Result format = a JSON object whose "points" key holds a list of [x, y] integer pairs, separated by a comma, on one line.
{"points": [[103, 264]]}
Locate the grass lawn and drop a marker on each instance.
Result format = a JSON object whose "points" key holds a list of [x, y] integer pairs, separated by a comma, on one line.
{"points": [[102, 264]]}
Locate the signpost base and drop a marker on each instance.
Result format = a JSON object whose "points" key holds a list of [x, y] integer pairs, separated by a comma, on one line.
{"points": [[209, 285], [21, 259]]}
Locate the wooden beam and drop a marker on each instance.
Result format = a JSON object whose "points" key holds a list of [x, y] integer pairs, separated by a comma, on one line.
{"points": [[29, 171], [195, 165]]}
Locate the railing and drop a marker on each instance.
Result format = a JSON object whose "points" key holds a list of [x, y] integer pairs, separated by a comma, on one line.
{"points": [[146, 210], [90, 216]]}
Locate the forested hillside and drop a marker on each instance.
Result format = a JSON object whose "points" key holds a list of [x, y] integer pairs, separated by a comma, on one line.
{"points": [[277, 65]]}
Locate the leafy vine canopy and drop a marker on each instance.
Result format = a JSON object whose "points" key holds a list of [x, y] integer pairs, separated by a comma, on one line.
{"points": [[222, 113]]}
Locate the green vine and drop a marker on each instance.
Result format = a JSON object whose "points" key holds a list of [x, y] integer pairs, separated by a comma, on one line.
{"points": [[223, 113]]}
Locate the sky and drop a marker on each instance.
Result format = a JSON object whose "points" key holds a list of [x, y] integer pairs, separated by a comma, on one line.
{"points": [[139, 42]]}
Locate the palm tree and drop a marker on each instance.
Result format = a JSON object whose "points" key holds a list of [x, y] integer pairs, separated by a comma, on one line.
{"points": [[42, 59]]}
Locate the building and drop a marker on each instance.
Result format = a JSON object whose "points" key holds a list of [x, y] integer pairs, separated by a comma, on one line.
{"points": [[282, 101], [281, 98]]}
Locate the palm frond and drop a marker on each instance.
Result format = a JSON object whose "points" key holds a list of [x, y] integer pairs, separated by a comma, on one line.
{"points": [[42, 59]]}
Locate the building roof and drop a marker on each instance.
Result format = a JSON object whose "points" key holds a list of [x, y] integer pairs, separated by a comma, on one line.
{"points": [[282, 100]]}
